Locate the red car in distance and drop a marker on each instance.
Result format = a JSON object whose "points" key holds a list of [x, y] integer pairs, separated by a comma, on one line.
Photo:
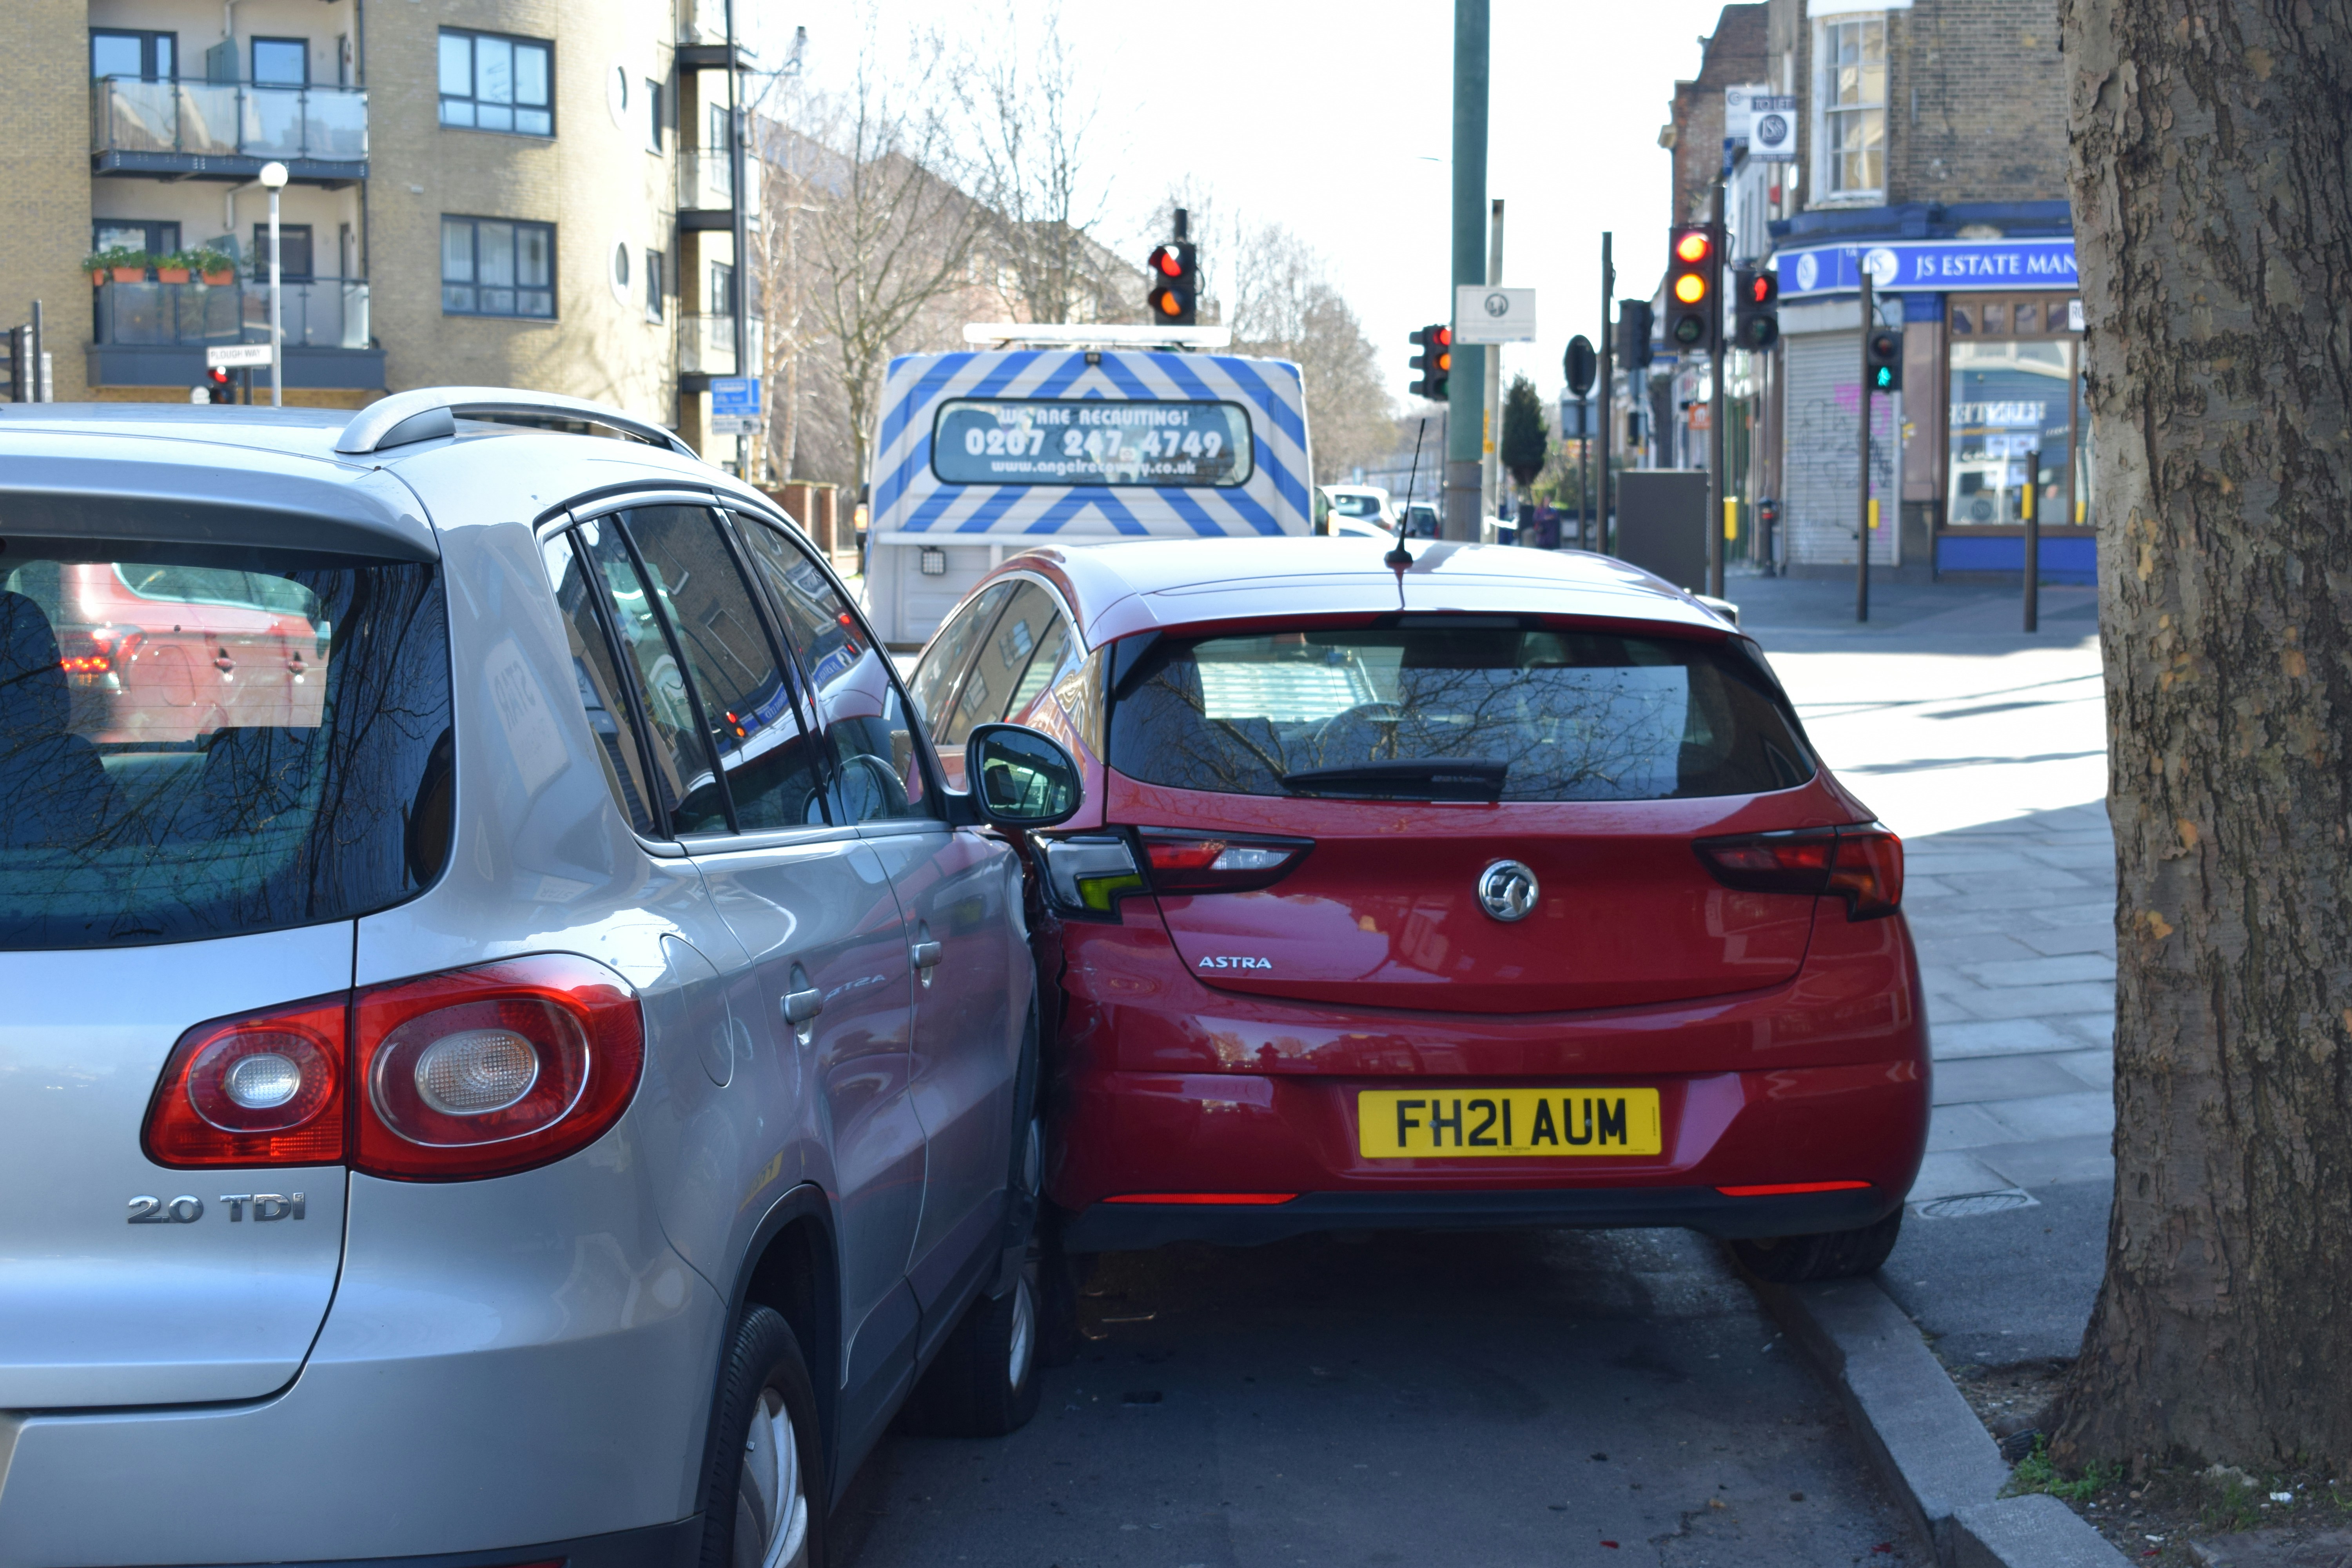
{"points": [[1500, 889], [165, 655]]}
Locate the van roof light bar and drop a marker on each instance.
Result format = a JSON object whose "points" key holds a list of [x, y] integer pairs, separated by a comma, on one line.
{"points": [[1005, 334], [430, 411]]}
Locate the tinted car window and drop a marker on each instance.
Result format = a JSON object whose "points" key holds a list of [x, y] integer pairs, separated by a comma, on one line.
{"points": [[599, 680], [685, 778], [1570, 715], [749, 708], [264, 746], [951, 650], [876, 755], [1029, 636]]}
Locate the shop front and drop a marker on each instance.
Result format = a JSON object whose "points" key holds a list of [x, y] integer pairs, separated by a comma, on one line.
{"points": [[1989, 423]]}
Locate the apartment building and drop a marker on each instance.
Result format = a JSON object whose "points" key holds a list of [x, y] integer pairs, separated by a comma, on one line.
{"points": [[529, 192], [1930, 149]]}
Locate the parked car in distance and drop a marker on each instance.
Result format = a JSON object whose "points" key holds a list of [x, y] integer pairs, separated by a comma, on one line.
{"points": [[1364, 503], [1502, 888], [511, 1039]]}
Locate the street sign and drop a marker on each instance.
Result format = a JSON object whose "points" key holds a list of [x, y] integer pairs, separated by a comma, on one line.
{"points": [[734, 404], [234, 356], [1574, 417], [1772, 129], [1739, 111], [1484, 315]]}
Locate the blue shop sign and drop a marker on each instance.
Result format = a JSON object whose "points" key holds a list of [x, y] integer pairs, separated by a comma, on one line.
{"points": [[1933, 266]]}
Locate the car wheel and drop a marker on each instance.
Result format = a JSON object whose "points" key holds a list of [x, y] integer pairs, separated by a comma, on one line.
{"points": [[761, 1505], [1833, 1254], [985, 1383]]}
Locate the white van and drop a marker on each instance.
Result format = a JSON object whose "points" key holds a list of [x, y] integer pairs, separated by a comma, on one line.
{"points": [[981, 455]]}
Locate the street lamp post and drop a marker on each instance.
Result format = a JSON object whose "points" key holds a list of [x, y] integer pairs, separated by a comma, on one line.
{"points": [[273, 175]]}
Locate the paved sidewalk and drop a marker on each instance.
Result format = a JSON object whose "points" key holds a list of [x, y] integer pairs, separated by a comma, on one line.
{"points": [[1955, 726]]}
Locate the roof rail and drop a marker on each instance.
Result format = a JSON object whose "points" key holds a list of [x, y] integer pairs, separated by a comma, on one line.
{"points": [[430, 411], [1101, 334]]}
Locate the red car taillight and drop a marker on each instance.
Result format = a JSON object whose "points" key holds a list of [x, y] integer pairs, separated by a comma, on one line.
{"points": [[1180, 862], [1862, 864], [490, 1070], [263, 1089], [98, 651], [478, 1072]]}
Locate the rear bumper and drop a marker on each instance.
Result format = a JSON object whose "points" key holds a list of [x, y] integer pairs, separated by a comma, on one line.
{"points": [[1167, 1086], [675, 1545], [1123, 1227]]}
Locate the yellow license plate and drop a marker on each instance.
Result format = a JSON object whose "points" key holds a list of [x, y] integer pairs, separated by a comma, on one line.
{"points": [[1515, 1123]]}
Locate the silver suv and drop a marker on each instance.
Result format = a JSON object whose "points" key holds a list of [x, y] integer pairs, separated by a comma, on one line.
{"points": [[511, 1054]]}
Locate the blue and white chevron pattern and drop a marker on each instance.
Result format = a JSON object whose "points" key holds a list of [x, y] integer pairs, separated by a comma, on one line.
{"points": [[909, 498]]}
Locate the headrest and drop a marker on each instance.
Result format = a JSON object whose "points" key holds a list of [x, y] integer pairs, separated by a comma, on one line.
{"points": [[35, 701]]}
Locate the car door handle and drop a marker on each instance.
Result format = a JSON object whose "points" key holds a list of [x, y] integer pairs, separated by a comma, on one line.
{"points": [[800, 1006], [925, 954]]}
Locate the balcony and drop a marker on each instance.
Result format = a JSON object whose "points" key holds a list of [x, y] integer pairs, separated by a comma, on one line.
{"points": [[320, 313], [706, 345], [227, 131], [706, 190]]}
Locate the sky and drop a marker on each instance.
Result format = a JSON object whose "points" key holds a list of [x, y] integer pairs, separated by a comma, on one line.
{"points": [[1337, 120]]}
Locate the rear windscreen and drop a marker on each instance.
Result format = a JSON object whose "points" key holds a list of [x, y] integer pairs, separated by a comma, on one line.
{"points": [[1541, 714], [197, 741]]}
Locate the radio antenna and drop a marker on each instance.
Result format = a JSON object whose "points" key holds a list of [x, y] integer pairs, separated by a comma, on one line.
{"points": [[1400, 557]]}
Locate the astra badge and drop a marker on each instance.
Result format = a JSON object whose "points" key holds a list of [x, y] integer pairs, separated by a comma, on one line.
{"points": [[1506, 890], [1232, 963]]}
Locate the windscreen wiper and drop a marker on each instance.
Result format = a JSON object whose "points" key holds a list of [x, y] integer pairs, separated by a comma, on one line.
{"points": [[1409, 778]]}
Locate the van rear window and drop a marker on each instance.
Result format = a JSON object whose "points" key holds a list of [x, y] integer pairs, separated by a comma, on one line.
{"points": [[200, 741], [1455, 711]]}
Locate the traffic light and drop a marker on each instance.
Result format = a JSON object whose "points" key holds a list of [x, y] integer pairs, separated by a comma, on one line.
{"points": [[1175, 296], [1756, 305], [1694, 315], [217, 385], [1881, 359], [1580, 365], [1435, 362], [1634, 321]]}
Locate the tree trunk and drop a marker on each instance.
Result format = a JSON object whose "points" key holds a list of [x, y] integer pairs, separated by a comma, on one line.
{"points": [[2213, 218]]}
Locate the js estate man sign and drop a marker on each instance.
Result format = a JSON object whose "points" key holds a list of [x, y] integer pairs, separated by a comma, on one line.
{"points": [[1930, 266]]}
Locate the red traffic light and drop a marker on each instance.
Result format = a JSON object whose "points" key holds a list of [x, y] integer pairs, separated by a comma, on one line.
{"points": [[1761, 289], [1692, 247], [1166, 262]]}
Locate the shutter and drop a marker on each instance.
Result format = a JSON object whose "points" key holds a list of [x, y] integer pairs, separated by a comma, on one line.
{"points": [[1823, 373]]}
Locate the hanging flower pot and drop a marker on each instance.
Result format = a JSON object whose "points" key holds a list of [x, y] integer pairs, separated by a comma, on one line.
{"points": [[221, 278]]}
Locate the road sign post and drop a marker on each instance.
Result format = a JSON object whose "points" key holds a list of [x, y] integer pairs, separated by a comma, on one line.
{"points": [[1863, 521], [1472, 22]]}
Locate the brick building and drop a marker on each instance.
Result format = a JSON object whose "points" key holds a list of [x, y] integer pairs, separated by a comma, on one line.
{"points": [[531, 193], [1930, 147]]}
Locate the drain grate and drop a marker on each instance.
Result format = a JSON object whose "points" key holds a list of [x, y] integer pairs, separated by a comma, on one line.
{"points": [[1968, 1205]]}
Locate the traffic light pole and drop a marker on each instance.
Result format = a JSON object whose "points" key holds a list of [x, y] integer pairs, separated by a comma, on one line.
{"points": [[1606, 386], [1490, 465], [1862, 523], [1715, 419], [1464, 437]]}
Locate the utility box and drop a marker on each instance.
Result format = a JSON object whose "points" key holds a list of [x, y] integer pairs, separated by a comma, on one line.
{"points": [[1662, 523]]}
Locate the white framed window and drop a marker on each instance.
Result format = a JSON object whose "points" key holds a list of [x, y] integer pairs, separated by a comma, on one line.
{"points": [[1850, 107]]}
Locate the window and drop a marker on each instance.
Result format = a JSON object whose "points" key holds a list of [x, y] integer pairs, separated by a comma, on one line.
{"points": [[117, 51], [599, 679], [294, 255], [154, 238], [655, 269], [490, 266], [721, 302], [1852, 55], [652, 115], [492, 82], [935, 675], [2013, 418], [876, 751], [139, 804], [1557, 715], [281, 62], [1024, 651]]}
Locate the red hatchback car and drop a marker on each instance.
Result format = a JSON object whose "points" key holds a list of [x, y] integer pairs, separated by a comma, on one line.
{"points": [[1502, 890]]}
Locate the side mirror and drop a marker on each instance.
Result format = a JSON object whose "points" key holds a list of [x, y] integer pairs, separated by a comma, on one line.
{"points": [[1019, 778]]}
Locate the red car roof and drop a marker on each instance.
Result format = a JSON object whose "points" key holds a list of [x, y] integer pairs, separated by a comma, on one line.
{"points": [[1126, 586]]}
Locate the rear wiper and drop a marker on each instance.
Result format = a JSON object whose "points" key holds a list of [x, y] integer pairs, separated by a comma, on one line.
{"points": [[1417, 778]]}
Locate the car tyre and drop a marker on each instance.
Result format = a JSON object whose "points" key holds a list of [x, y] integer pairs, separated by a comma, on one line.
{"points": [[762, 1497], [985, 1383], [1833, 1255]]}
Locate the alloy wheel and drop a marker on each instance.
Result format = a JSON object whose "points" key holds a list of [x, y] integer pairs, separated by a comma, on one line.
{"points": [[771, 1508]]}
